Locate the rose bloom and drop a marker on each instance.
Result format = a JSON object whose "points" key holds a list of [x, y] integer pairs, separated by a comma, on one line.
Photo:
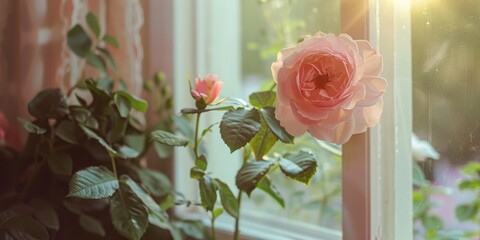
{"points": [[207, 88], [8, 133], [329, 86]]}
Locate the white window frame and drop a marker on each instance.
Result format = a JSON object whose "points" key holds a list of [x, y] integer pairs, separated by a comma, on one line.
{"points": [[377, 182]]}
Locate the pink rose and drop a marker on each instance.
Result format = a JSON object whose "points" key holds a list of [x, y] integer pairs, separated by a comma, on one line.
{"points": [[329, 86], [207, 88]]}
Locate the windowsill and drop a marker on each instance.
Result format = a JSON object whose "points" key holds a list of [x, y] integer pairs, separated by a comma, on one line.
{"points": [[255, 226]]}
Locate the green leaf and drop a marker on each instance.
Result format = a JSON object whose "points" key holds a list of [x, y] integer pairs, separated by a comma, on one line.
{"points": [[300, 166], [123, 105], [93, 24], [156, 215], [217, 212], [263, 141], [60, 163], [78, 41], [167, 202], [269, 188], [194, 229], [49, 103], [468, 184], [46, 214], [92, 183], [268, 114], [92, 134], [82, 101], [92, 225], [433, 223], [238, 127], [111, 40], [69, 132], [418, 175], [129, 214], [155, 182], [96, 61], [196, 173], [31, 127], [263, 99], [128, 152], [168, 138], [113, 65], [229, 202], [251, 174], [201, 162], [136, 102], [466, 211], [24, 228], [208, 194]]}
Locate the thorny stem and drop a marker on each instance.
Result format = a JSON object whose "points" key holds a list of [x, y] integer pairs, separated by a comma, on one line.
{"points": [[114, 165]]}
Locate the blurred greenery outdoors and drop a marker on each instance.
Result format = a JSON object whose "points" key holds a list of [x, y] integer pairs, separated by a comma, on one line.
{"points": [[446, 112]]}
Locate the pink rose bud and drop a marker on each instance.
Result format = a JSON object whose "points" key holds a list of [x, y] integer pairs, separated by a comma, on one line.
{"points": [[207, 88], [329, 86]]}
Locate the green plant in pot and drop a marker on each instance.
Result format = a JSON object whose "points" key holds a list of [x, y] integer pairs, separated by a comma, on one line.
{"points": [[81, 174]]}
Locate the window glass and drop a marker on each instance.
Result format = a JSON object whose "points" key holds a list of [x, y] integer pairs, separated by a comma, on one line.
{"points": [[267, 27], [446, 118]]}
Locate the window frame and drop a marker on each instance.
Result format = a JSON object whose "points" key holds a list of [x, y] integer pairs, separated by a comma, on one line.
{"points": [[377, 182]]}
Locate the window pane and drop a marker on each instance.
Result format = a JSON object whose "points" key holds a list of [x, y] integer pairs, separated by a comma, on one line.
{"points": [[267, 27], [446, 118]]}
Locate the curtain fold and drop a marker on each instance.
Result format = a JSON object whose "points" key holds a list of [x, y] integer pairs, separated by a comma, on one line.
{"points": [[34, 54]]}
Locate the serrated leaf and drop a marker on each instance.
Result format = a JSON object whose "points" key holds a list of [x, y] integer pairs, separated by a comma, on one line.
{"points": [[92, 22], [92, 134], [111, 40], [129, 214], [155, 182], [466, 211], [31, 127], [268, 114], [127, 152], [78, 41], [208, 194], [269, 188], [60, 163], [69, 132], [92, 225], [156, 215], [45, 214], [238, 127], [300, 166], [229, 202], [93, 183], [251, 174], [123, 105], [113, 65], [263, 141], [168, 138], [25, 228], [49, 103], [135, 102], [263, 99]]}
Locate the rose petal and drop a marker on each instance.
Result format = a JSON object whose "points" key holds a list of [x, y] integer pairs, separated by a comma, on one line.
{"points": [[287, 120], [372, 62]]}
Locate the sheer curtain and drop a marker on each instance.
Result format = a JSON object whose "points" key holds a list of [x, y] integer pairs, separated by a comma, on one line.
{"points": [[34, 54]]}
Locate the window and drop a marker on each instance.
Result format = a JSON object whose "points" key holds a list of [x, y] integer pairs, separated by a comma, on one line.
{"points": [[376, 178]]}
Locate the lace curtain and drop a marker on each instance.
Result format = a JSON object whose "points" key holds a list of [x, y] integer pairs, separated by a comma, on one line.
{"points": [[34, 54]]}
